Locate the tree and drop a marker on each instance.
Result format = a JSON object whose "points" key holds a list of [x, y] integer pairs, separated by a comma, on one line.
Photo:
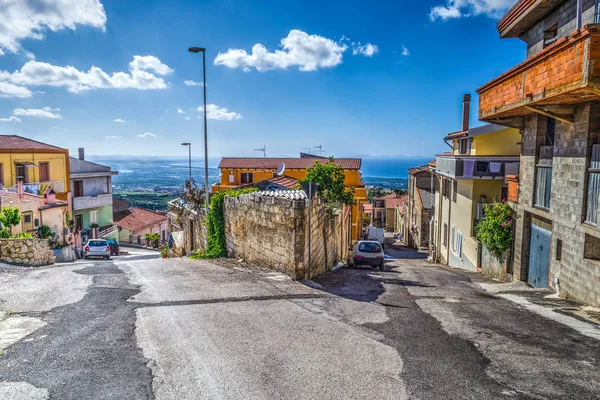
{"points": [[330, 178], [152, 238], [9, 217]]}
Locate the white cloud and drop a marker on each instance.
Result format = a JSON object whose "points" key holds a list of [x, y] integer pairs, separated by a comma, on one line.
{"points": [[46, 112], [35, 73], [368, 50], [219, 113], [10, 90], [469, 8], [122, 121], [405, 51], [307, 52], [180, 111], [145, 135], [22, 19], [192, 83], [12, 118], [112, 137], [187, 118]]}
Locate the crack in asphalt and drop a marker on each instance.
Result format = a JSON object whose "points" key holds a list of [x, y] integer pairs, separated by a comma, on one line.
{"points": [[235, 300]]}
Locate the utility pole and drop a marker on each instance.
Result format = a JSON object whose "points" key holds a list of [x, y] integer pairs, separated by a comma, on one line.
{"points": [[308, 149], [264, 150], [320, 148]]}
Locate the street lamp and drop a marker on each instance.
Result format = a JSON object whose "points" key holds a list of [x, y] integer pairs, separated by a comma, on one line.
{"points": [[203, 51], [190, 162]]}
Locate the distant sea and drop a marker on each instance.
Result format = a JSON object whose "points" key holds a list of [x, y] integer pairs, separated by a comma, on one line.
{"points": [[167, 174]]}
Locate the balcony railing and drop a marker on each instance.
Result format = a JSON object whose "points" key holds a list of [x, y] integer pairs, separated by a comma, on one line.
{"points": [[35, 187], [565, 73], [86, 202], [476, 167]]}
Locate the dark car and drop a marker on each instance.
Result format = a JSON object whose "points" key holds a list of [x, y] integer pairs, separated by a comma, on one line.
{"points": [[114, 247]]}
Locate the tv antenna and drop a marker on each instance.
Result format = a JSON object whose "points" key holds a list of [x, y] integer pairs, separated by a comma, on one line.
{"points": [[308, 149], [264, 150], [320, 148]]}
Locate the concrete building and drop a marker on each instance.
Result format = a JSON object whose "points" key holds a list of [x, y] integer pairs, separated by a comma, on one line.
{"points": [[236, 172], [91, 187], [418, 209], [394, 204], [38, 165], [553, 98]]}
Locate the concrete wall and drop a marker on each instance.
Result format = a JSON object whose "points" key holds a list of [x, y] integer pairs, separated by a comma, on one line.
{"points": [[273, 232], [578, 275], [565, 16], [105, 216], [31, 252], [494, 268]]}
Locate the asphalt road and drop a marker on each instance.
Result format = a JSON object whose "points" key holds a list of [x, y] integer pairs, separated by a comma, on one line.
{"points": [[140, 327]]}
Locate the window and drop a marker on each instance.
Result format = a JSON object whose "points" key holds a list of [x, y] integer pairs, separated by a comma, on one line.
{"points": [[1, 174], [94, 217], [79, 222], [274, 175], [550, 132], [21, 173], [446, 235], [452, 242], [446, 187], [459, 237], [247, 177], [504, 194], [543, 188], [558, 249], [78, 188], [591, 247], [367, 247], [44, 167], [591, 214], [550, 35], [454, 190]]}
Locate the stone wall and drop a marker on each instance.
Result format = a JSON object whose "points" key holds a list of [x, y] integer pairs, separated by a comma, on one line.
{"points": [[193, 226], [31, 252], [273, 232]]}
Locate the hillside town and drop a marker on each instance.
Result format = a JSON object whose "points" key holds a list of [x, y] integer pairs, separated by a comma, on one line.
{"points": [[290, 277]]}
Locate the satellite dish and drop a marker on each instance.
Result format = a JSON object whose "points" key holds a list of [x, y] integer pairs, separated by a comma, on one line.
{"points": [[280, 169]]}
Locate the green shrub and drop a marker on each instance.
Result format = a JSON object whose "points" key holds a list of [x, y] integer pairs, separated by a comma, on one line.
{"points": [[45, 232], [216, 246], [9, 217], [495, 230]]}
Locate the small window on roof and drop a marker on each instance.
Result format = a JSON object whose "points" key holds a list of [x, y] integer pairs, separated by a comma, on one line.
{"points": [[551, 35]]}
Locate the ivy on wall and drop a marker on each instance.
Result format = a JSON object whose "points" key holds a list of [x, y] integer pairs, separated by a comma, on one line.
{"points": [[216, 245], [495, 230]]}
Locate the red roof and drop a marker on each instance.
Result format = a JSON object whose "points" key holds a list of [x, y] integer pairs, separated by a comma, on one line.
{"points": [[291, 163], [286, 181], [416, 170], [138, 218], [432, 163], [367, 208], [14, 142], [396, 201]]}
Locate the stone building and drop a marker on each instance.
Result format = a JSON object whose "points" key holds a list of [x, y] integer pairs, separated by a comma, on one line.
{"points": [[552, 97], [418, 209]]}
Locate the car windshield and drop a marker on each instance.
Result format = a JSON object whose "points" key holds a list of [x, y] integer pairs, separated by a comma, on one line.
{"points": [[369, 247], [97, 243]]}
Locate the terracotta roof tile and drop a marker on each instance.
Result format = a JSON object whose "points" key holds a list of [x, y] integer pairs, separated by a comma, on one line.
{"points": [[416, 170], [291, 163], [286, 181], [14, 142], [137, 218]]}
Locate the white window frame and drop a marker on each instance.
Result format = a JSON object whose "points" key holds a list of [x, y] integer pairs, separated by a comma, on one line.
{"points": [[459, 238], [94, 217]]}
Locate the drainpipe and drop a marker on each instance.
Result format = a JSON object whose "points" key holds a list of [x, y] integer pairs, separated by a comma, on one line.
{"points": [[439, 228], [449, 221]]}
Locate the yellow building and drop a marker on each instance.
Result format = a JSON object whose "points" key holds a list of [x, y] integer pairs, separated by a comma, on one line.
{"points": [[470, 176], [36, 164], [245, 171]]}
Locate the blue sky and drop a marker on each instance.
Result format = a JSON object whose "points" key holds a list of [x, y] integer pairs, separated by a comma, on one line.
{"points": [[359, 78]]}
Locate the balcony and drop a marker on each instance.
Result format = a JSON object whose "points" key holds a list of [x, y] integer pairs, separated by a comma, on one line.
{"points": [[476, 167], [86, 202], [549, 83]]}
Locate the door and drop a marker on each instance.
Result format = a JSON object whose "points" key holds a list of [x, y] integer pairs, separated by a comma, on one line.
{"points": [[539, 257]]}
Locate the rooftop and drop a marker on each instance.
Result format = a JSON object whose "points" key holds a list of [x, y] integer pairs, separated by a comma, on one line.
{"points": [[10, 197], [137, 218], [291, 163], [79, 166], [477, 131], [416, 170], [14, 142]]}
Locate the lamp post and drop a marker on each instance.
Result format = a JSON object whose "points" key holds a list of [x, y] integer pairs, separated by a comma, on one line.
{"points": [[189, 145], [203, 51]]}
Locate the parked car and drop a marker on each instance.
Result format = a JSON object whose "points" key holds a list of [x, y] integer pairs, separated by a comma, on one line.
{"points": [[376, 235], [114, 246], [367, 252], [96, 248]]}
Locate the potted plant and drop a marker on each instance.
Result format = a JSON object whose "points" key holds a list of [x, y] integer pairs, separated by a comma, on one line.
{"points": [[164, 251]]}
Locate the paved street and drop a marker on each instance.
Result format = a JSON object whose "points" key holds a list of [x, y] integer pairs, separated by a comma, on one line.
{"points": [[141, 327]]}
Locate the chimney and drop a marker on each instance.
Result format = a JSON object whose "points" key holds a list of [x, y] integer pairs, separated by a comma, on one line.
{"points": [[466, 112], [20, 189], [81, 153], [50, 197]]}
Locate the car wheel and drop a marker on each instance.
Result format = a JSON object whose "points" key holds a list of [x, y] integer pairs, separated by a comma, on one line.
{"points": [[350, 265]]}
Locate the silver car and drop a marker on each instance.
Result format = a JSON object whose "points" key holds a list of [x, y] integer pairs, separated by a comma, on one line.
{"points": [[96, 248], [367, 252]]}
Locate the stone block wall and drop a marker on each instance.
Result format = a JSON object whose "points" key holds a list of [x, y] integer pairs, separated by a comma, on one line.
{"points": [[30, 252], [193, 226], [273, 232]]}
